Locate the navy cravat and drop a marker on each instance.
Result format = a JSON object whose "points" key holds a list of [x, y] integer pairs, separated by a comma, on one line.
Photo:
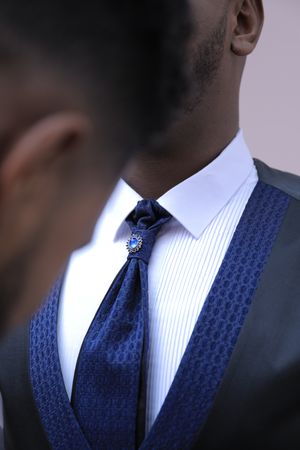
{"points": [[109, 387]]}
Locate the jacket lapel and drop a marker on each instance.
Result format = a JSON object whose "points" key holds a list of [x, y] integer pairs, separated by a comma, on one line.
{"points": [[56, 413], [257, 405]]}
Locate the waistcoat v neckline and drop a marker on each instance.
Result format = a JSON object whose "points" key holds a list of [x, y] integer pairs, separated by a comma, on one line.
{"points": [[206, 357]]}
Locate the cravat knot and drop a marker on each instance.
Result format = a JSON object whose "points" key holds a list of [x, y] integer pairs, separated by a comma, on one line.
{"points": [[145, 222]]}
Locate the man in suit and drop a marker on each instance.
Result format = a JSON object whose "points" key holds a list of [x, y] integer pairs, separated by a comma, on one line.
{"points": [[76, 84], [223, 359]]}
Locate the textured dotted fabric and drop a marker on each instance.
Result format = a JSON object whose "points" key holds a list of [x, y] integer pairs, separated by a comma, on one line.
{"points": [[108, 376], [58, 420], [204, 362]]}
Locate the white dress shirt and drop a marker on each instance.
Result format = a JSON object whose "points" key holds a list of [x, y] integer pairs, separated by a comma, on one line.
{"points": [[187, 255]]}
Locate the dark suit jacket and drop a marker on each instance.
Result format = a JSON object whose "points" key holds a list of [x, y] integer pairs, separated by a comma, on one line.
{"points": [[258, 403]]}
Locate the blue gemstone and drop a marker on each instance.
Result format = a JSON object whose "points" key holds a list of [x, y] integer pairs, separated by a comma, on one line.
{"points": [[133, 243]]}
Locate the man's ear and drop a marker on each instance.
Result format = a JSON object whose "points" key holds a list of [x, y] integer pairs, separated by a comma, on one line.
{"points": [[247, 26], [40, 144]]}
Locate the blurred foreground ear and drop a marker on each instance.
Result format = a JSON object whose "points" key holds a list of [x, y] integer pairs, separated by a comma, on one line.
{"points": [[248, 22], [41, 143]]}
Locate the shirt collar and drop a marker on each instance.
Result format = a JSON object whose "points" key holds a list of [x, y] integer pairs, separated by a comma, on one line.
{"points": [[196, 201]]}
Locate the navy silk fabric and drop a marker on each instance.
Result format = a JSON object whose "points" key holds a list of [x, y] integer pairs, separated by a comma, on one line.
{"points": [[112, 363], [204, 362]]}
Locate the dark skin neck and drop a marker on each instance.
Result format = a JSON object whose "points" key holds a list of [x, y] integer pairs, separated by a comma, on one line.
{"points": [[223, 34], [191, 144]]}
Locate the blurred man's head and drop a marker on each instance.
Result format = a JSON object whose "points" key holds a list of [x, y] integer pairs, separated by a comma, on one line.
{"points": [[82, 85]]}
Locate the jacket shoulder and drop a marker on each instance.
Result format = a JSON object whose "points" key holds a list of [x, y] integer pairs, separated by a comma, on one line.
{"points": [[286, 182]]}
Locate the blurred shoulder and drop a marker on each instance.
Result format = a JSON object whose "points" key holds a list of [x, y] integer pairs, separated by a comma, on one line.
{"points": [[285, 181]]}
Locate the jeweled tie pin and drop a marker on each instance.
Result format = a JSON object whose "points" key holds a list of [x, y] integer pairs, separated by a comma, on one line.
{"points": [[134, 243]]}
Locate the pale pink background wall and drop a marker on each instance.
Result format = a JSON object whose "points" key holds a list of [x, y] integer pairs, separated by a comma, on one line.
{"points": [[270, 97]]}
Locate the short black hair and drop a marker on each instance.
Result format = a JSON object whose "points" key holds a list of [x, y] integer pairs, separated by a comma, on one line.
{"points": [[137, 45]]}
